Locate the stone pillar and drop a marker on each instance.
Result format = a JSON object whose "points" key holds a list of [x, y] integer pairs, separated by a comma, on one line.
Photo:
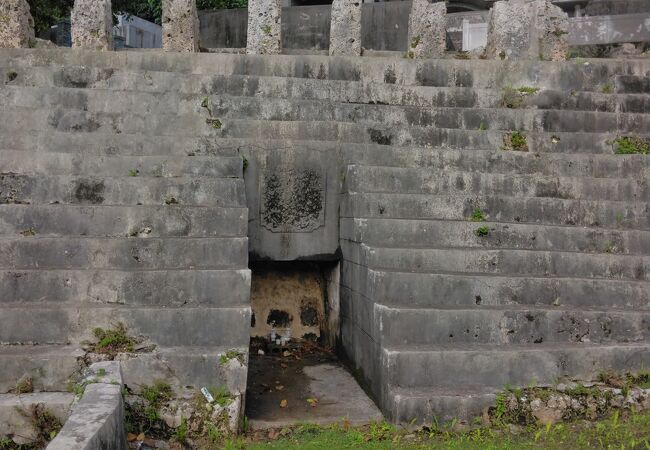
{"points": [[527, 29], [345, 28], [427, 33], [92, 24], [180, 26], [16, 24], [264, 27]]}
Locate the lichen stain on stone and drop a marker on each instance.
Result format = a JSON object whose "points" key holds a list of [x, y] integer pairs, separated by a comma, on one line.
{"points": [[89, 192], [292, 200]]}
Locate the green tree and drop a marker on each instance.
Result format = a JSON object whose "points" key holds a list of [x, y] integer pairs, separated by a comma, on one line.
{"points": [[48, 12]]}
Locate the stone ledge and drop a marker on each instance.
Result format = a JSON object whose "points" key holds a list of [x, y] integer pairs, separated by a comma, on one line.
{"points": [[97, 421]]}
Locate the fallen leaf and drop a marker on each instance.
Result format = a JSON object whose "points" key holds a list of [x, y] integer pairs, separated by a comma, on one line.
{"points": [[140, 437], [131, 437], [279, 387], [283, 365], [313, 402], [283, 403], [346, 424], [273, 434]]}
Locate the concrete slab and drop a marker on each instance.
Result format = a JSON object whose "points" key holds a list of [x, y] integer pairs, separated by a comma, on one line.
{"points": [[316, 376]]}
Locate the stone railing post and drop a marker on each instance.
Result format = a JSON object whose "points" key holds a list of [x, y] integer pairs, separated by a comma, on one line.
{"points": [[92, 24], [180, 26], [264, 27], [527, 29], [427, 33], [345, 28], [16, 24]]}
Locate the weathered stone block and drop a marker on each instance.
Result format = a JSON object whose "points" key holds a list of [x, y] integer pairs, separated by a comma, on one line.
{"points": [[16, 24], [427, 29], [345, 28], [525, 29], [180, 26], [92, 24], [264, 27]]}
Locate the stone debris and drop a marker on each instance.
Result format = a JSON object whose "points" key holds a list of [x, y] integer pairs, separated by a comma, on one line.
{"points": [[427, 34], [264, 27], [16, 24], [92, 25], [180, 26], [345, 28], [525, 29]]}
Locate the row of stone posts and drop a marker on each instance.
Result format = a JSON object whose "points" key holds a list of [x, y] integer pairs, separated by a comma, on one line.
{"points": [[517, 29]]}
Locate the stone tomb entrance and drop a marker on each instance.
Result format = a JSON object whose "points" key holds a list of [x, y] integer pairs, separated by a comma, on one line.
{"points": [[294, 374]]}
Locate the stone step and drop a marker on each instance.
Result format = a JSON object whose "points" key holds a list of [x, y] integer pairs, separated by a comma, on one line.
{"points": [[126, 190], [588, 74], [87, 287], [192, 121], [393, 180], [495, 366], [45, 119], [454, 138], [122, 221], [16, 411], [147, 253], [79, 164], [510, 325], [51, 367], [406, 233], [424, 406], [502, 262], [116, 144], [301, 134], [183, 326], [504, 162], [464, 290], [538, 210], [442, 114], [172, 85]]}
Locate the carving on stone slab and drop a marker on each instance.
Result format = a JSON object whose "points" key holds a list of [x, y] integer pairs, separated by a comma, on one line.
{"points": [[16, 24], [92, 24], [292, 200]]}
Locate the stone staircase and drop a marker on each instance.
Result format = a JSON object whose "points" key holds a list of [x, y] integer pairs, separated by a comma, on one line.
{"points": [[116, 208], [436, 316]]}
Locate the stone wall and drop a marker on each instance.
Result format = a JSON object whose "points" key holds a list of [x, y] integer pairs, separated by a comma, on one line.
{"points": [[92, 25], [180, 24], [264, 26]]}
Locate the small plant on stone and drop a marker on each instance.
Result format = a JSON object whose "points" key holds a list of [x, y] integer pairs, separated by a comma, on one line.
{"points": [[101, 372], [607, 89], [482, 231], [45, 424], [515, 141], [157, 393], [631, 145], [415, 41], [231, 354], [477, 215], [24, 386], [134, 172], [214, 123], [171, 200], [244, 161], [221, 395], [266, 29], [181, 432], [462, 55], [528, 90], [482, 127], [112, 341], [28, 232]]}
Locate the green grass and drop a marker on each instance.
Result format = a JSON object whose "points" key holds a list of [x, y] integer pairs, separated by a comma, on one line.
{"points": [[478, 216], [113, 341], [482, 231], [633, 432], [631, 145]]}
